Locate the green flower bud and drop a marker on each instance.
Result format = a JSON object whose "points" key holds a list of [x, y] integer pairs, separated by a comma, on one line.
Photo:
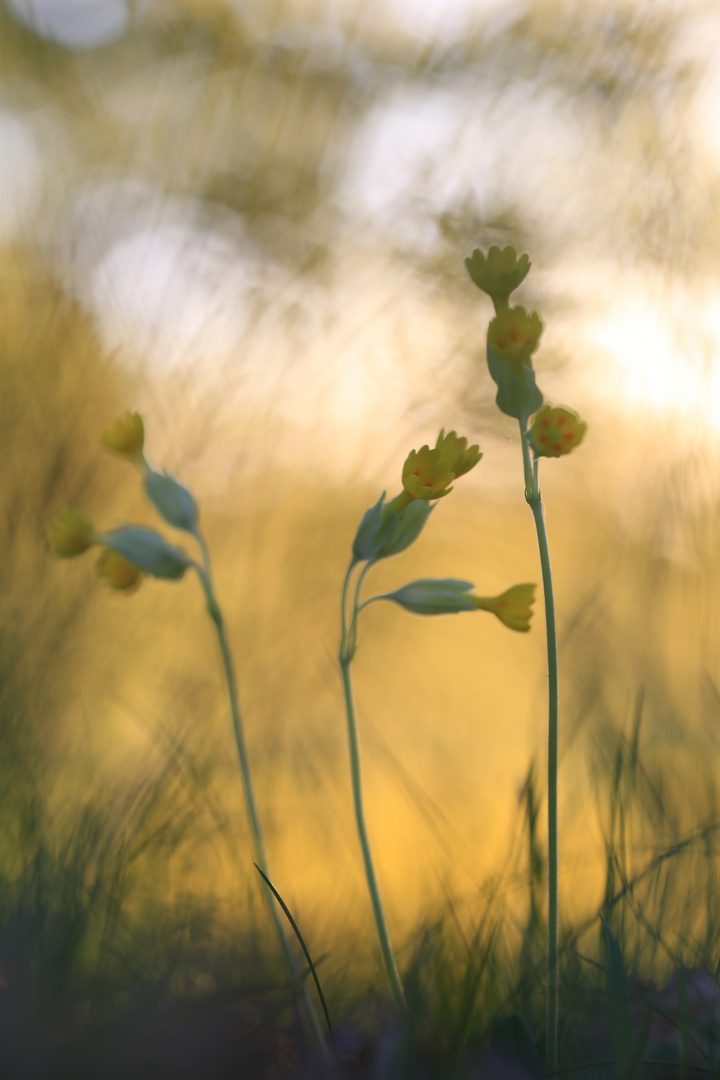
{"points": [[411, 520], [173, 501], [376, 530], [148, 550], [433, 596]]}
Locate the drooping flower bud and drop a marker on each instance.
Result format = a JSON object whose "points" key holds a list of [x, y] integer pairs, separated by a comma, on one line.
{"points": [[117, 571], [71, 533], [125, 436]]}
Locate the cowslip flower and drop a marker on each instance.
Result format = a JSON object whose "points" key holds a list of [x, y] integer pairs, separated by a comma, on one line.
{"points": [[513, 335], [428, 474], [513, 607], [498, 273], [556, 431], [71, 533], [454, 448], [117, 571], [125, 436]]}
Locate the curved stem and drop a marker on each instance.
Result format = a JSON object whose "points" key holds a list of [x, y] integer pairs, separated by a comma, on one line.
{"points": [[205, 575], [385, 946], [356, 601], [347, 651], [534, 500]]}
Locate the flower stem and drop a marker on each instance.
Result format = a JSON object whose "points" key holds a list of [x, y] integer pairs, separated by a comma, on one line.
{"points": [[206, 580], [348, 646], [534, 500]]}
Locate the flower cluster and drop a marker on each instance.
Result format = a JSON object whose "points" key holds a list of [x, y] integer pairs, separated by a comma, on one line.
{"points": [[512, 339], [388, 529], [72, 533], [131, 551]]}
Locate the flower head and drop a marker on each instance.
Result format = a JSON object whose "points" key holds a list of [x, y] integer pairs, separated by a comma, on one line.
{"points": [[455, 449], [117, 571], [556, 432], [428, 474], [513, 335], [498, 272], [125, 436], [71, 533], [513, 607]]}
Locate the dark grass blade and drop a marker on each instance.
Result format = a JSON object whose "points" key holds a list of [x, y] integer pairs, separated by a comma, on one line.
{"points": [[303, 946]]}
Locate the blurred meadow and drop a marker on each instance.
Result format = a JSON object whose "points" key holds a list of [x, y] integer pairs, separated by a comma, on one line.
{"points": [[247, 220]]}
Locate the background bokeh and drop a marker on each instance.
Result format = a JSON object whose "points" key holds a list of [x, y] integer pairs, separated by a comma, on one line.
{"points": [[248, 221]]}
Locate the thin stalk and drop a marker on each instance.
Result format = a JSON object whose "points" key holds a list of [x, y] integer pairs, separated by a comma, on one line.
{"points": [[204, 573], [348, 645], [534, 500]]}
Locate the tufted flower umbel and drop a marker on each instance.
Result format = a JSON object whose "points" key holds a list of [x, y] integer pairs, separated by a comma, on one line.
{"points": [[513, 607], [117, 571], [125, 436], [498, 273], [513, 335], [556, 431], [71, 533]]}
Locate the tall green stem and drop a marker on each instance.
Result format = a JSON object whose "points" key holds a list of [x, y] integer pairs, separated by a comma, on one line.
{"points": [[348, 646], [534, 500], [205, 575]]}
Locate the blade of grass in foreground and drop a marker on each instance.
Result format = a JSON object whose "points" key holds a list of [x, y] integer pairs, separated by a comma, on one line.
{"points": [[303, 946]]}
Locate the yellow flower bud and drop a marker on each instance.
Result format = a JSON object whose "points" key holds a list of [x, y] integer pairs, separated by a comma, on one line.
{"points": [[513, 335], [71, 533], [456, 451], [513, 607], [125, 436], [117, 571], [498, 273], [556, 432]]}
